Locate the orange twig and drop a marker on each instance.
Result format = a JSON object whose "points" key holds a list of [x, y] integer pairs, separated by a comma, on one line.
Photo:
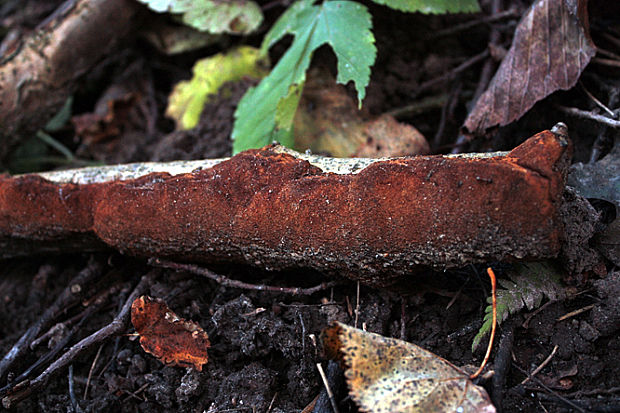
{"points": [[494, 304]]}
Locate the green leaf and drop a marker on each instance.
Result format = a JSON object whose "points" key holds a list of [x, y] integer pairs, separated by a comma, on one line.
{"points": [[188, 98], [288, 105], [345, 26], [432, 6], [214, 16], [526, 287]]}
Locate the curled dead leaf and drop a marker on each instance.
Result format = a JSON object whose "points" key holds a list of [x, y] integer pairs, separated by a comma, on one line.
{"points": [[173, 340], [389, 375]]}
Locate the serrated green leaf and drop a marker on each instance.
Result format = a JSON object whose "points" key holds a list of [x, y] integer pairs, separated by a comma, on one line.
{"points": [[344, 25], [188, 98], [432, 6], [526, 287], [214, 16], [285, 111]]}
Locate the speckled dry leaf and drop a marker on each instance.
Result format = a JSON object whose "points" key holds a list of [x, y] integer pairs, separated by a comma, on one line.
{"points": [[173, 340], [389, 375], [550, 49]]}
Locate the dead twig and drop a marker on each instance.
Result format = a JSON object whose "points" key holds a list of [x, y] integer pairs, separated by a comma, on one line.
{"points": [[451, 74], [526, 323], [494, 17], [550, 391], [44, 71], [90, 372], [576, 312], [419, 106], [327, 388], [598, 102], [272, 401], [95, 306], [24, 389], [74, 402], [447, 112], [70, 296], [542, 365], [606, 62], [227, 282], [134, 394], [485, 74], [585, 114]]}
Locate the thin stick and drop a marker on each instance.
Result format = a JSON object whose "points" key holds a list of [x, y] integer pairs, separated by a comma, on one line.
{"points": [[272, 401], [494, 304], [327, 388], [25, 389], [542, 365], [589, 115], [451, 73], [534, 313], [421, 106], [227, 282], [576, 312], [74, 403], [485, 73], [90, 372], [598, 102], [551, 391], [472, 23], [134, 394], [606, 62], [64, 301]]}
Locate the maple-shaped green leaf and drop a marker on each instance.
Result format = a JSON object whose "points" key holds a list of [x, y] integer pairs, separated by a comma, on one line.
{"points": [[188, 97], [525, 286], [432, 6], [214, 16], [266, 112]]}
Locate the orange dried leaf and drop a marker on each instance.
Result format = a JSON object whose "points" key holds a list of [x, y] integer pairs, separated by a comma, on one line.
{"points": [[173, 340], [389, 375]]}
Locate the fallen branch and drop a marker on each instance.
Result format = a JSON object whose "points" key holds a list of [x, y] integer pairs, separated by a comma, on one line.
{"points": [[371, 220], [39, 77]]}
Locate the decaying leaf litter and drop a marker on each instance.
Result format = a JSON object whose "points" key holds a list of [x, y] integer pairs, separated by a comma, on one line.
{"points": [[264, 338]]}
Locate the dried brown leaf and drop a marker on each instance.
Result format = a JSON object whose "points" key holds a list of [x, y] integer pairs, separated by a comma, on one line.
{"points": [[173, 340], [389, 375], [550, 49], [329, 121]]}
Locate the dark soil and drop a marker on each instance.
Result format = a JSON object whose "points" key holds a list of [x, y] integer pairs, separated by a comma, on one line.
{"points": [[265, 346]]}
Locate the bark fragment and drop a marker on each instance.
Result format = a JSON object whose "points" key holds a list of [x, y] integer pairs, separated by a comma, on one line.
{"points": [[370, 220]]}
